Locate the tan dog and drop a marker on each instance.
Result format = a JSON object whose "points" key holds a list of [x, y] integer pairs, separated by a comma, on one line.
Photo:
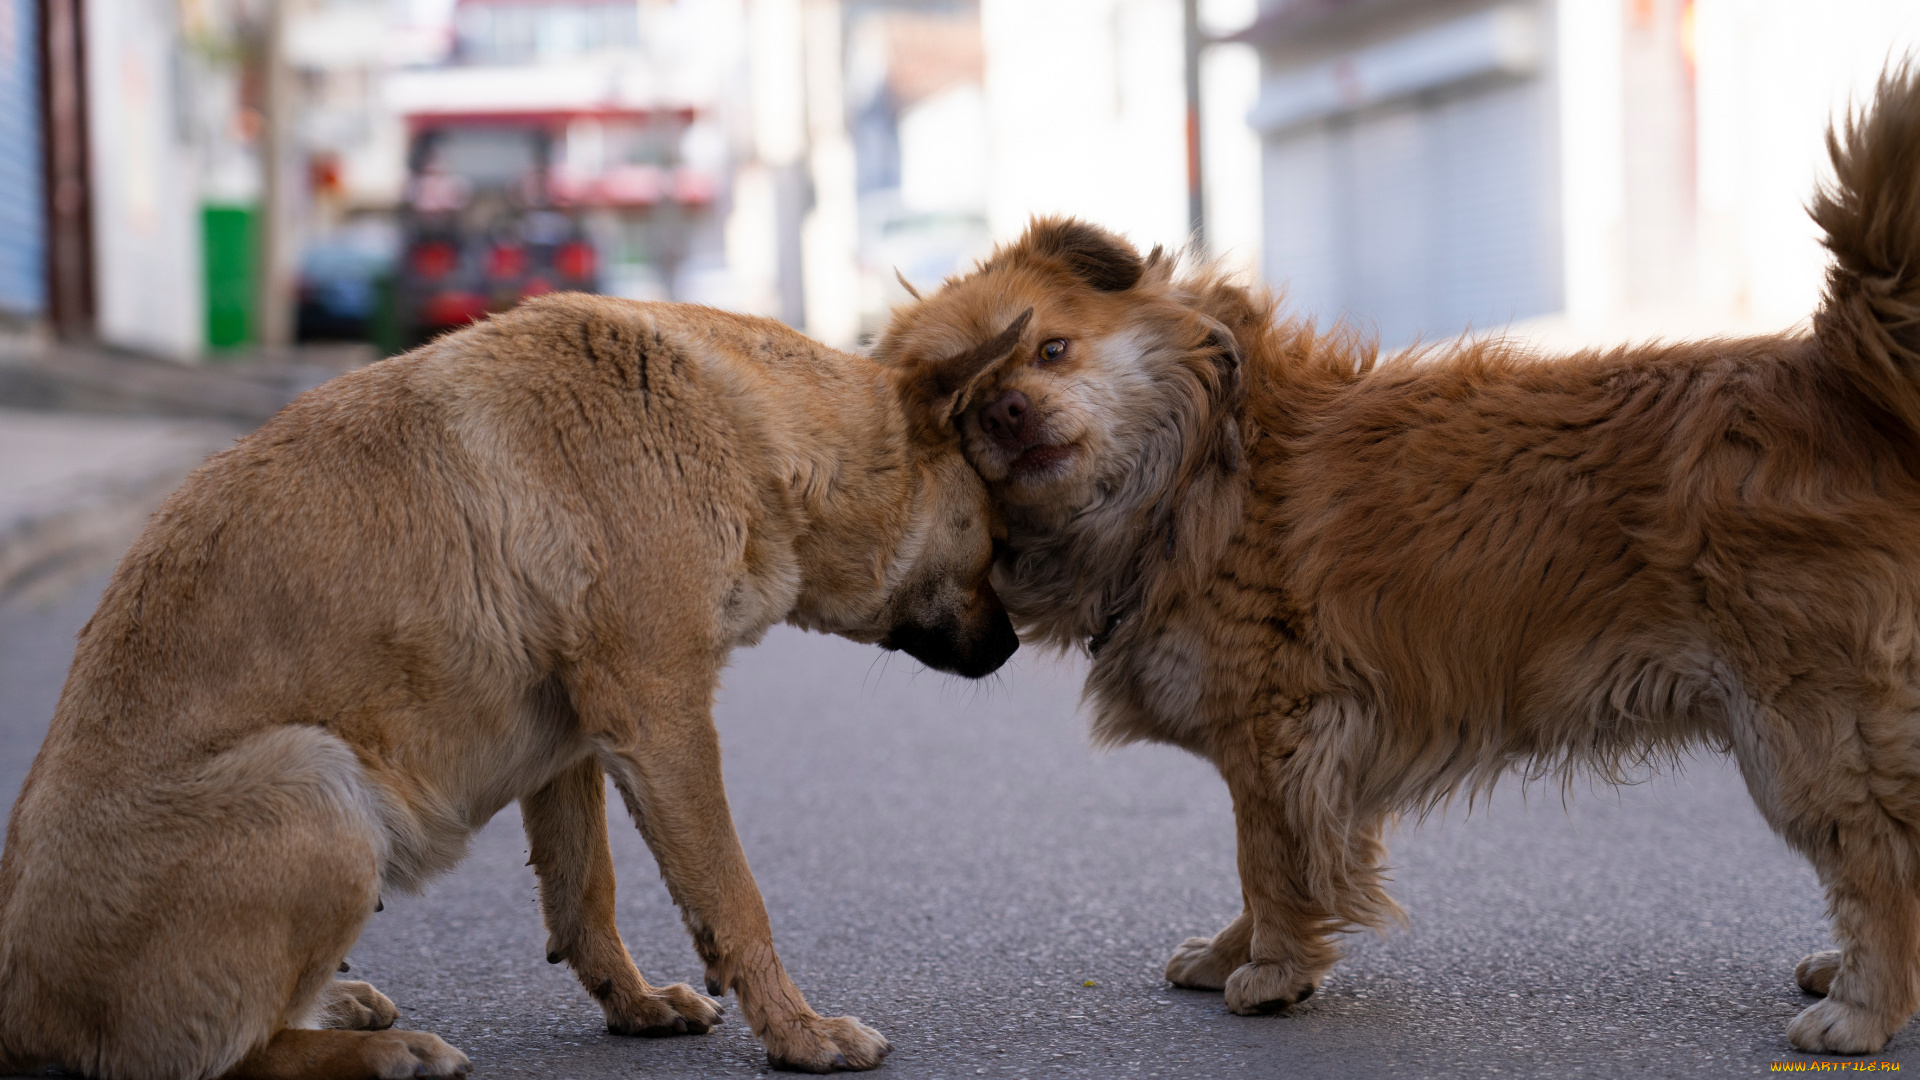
{"points": [[1361, 587], [495, 569]]}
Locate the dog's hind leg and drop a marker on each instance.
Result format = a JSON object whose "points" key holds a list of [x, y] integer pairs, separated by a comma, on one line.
{"points": [[351, 1004], [566, 825], [194, 920], [298, 1054], [1843, 789], [1869, 983]]}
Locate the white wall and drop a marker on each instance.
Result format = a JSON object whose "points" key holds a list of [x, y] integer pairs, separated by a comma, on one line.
{"points": [[1592, 158], [830, 237], [148, 274], [1771, 74], [1229, 147], [1088, 114]]}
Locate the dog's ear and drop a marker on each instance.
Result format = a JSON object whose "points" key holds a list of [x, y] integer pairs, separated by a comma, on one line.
{"points": [[946, 386], [1090, 252], [1223, 348]]}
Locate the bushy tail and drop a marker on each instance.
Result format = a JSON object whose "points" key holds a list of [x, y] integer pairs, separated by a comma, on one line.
{"points": [[1871, 214]]}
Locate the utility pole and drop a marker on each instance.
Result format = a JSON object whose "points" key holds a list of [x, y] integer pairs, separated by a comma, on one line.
{"points": [[275, 257], [1196, 188], [63, 97], [777, 57]]}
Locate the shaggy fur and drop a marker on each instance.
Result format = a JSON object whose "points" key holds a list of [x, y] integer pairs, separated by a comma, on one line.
{"points": [[503, 567], [1361, 587]]}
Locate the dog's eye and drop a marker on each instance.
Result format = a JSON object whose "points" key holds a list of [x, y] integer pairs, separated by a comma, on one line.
{"points": [[1053, 350]]}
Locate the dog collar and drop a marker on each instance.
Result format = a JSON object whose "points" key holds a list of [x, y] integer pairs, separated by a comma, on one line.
{"points": [[1114, 618], [1099, 640]]}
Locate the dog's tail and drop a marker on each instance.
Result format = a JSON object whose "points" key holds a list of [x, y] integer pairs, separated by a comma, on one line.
{"points": [[1871, 215]]}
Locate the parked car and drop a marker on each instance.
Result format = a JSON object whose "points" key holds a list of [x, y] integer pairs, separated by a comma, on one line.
{"points": [[501, 207], [346, 281]]}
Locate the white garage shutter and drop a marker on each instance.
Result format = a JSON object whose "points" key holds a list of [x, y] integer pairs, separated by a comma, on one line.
{"points": [[22, 210], [1419, 219]]}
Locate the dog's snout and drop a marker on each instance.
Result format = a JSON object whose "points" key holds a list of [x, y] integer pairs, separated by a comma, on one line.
{"points": [[1006, 418]]}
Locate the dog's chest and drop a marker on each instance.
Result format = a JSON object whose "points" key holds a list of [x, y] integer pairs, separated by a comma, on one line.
{"points": [[1180, 677], [762, 591], [1150, 685]]}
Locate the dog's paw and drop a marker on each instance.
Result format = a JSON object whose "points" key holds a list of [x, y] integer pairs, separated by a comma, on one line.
{"points": [[1835, 1027], [1257, 989], [355, 1006], [1196, 966], [671, 1010], [1815, 973], [404, 1055], [821, 1044]]}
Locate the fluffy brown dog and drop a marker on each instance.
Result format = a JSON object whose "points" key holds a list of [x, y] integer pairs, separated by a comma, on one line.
{"points": [[499, 568], [1361, 587]]}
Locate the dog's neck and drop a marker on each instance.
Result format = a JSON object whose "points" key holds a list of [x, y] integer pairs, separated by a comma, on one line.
{"points": [[1115, 572], [864, 519], [1079, 577], [847, 512]]}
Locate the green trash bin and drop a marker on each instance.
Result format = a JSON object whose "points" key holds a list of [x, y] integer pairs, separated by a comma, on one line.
{"points": [[230, 253]]}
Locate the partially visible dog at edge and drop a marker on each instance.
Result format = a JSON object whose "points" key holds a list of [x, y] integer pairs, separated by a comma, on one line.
{"points": [[1362, 586], [502, 567]]}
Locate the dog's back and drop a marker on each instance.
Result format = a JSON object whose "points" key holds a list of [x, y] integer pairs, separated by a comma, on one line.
{"points": [[1622, 552]]}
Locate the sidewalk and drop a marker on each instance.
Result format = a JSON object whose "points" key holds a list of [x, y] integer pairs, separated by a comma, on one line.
{"points": [[91, 441], [76, 489]]}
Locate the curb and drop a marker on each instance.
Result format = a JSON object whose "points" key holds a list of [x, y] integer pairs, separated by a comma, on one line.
{"points": [[85, 525], [47, 548], [69, 378]]}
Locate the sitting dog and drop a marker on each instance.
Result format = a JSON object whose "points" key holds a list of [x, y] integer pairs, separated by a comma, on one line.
{"points": [[1361, 586], [502, 567]]}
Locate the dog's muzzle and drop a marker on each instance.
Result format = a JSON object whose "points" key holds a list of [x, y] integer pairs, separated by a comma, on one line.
{"points": [[972, 652]]}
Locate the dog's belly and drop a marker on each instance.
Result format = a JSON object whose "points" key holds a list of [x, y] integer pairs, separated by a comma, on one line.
{"points": [[459, 767]]}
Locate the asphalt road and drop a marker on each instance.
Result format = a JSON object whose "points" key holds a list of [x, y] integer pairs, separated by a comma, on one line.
{"points": [[949, 862]]}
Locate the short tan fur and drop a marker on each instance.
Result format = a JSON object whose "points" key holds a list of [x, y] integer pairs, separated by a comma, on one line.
{"points": [[503, 567]]}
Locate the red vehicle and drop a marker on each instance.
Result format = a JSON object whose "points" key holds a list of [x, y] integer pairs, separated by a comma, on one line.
{"points": [[503, 206]]}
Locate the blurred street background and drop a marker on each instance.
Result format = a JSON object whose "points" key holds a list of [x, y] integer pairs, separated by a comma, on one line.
{"points": [[204, 179], [210, 206]]}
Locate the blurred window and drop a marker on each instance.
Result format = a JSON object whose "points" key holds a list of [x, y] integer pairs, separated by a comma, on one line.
{"points": [[505, 32], [486, 157]]}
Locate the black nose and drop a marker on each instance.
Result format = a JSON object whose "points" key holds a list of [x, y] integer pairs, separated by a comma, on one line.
{"points": [[1006, 418], [946, 648]]}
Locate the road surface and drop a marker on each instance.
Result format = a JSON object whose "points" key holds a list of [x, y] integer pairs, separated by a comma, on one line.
{"points": [[951, 863]]}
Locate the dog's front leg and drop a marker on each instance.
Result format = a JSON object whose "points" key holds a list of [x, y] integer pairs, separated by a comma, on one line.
{"points": [[1286, 934], [660, 746], [1207, 963], [566, 825]]}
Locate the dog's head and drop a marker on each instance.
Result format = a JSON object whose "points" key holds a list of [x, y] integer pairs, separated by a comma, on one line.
{"points": [[1088, 387], [941, 607], [1068, 361]]}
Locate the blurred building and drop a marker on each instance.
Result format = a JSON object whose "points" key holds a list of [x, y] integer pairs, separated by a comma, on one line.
{"points": [[1087, 113], [567, 144], [1600, 167], [188, 169], [917, 115], [141, 175], [969, 119], [23, 215]]}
